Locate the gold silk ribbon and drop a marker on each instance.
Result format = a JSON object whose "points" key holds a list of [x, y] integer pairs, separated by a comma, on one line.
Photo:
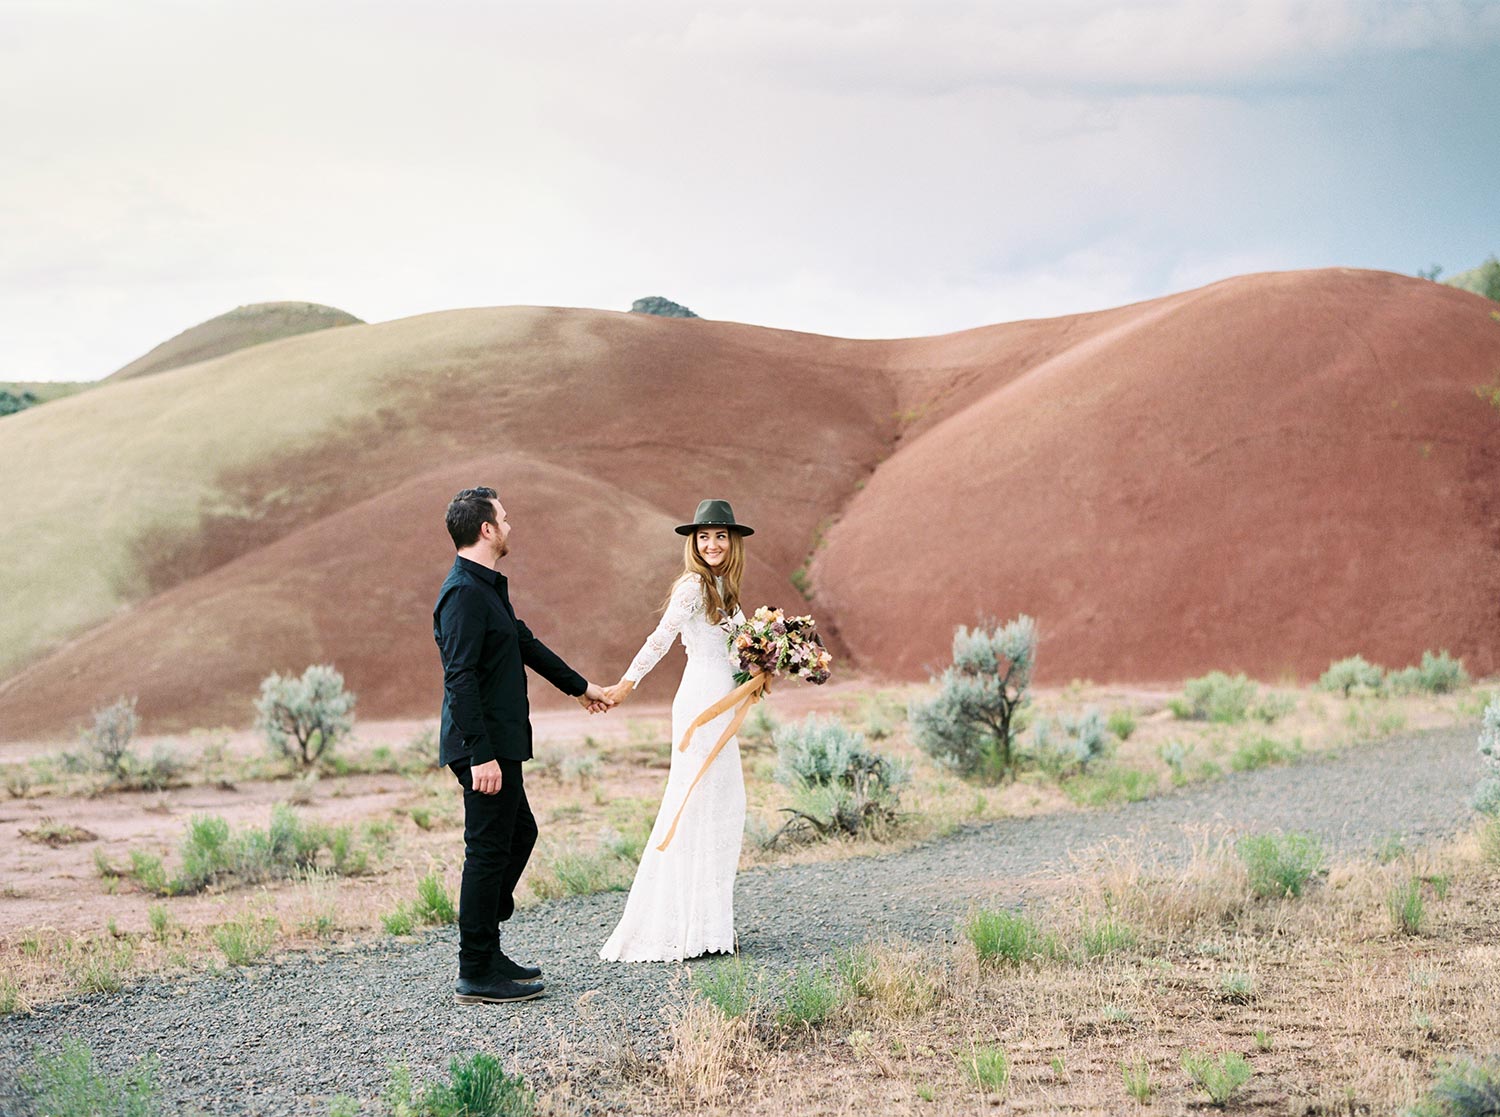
{"points": [[746, 695]]}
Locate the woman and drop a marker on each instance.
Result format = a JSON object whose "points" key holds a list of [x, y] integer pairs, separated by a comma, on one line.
{"points": [[682, 902]]}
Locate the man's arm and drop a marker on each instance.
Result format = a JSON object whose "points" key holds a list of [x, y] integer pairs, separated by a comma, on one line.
{"points": [[461, 628], [548, 664]]}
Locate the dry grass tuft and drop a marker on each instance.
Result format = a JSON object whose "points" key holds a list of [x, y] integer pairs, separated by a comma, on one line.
{"points": [[708, 1053]]}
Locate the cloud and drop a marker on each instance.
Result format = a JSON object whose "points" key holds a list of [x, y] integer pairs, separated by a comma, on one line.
{"points": [[836, 167]]}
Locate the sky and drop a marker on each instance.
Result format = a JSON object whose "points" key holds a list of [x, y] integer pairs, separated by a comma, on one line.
{"points": [[858, 169]]}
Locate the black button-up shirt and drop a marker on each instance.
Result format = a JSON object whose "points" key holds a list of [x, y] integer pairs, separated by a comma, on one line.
{"points": [[485, 651]]}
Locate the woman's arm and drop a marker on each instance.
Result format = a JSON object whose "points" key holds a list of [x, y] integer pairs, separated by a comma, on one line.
{"points": [[687, 599]]}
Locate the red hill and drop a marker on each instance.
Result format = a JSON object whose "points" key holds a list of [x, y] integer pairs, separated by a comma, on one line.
{"points": [[1264, 474]]}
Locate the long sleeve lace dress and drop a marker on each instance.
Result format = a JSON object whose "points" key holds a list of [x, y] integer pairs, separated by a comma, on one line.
{"points": [[682, 902]]}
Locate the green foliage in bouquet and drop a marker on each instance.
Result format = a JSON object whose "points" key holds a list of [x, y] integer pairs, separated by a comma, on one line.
{"points": [[970, 725], [303, 718]]}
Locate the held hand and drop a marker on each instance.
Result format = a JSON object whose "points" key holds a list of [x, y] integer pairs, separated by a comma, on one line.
{"points": [[619, 692], [486, 777], [594, 699]]}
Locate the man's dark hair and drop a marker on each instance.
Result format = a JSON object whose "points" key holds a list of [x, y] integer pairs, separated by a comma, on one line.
{"points": [[467, 513]]}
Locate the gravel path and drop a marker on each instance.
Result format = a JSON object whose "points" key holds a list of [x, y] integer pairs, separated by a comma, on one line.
{"points": [[282, 1038]]}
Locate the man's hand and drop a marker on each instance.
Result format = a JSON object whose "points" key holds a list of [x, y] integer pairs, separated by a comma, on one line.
{"points": [[595, 700], [486, 777]]}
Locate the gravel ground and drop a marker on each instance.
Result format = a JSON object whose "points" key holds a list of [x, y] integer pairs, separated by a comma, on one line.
{"points": [[282, 1038]]}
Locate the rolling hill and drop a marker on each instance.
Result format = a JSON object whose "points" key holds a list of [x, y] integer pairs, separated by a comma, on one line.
{"points": [[1263, 474]]}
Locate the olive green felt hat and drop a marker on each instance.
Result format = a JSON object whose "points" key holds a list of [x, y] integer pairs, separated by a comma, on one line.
{"points": [[714, 513]]}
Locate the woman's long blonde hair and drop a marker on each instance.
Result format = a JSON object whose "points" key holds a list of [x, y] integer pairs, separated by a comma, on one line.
{"points": [[717, 605]]}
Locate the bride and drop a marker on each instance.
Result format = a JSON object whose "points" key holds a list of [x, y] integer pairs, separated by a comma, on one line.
{"points": [[682, 902]]}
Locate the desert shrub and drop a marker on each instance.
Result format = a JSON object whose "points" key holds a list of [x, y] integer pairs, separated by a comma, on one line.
{"points": [[1406, 907], [1436, 674], [304, 718], [1237, 988], [1280, 865], [206, 852], [806, 997], [758, 728], [107, 750], [1107, 936], [212, 853], [1482, 280], [68, 1084], [1487, 795], [1220, 1078], [107, 740], [661, 307], [1489, 841], [1067, 745], [401, 921], [1138, 1082], [839, 785], [970, 725], [1264, 751], [434, 902], [1464, 1088], [1003, 936], [727, 985], [477, 1087], [243, 940], [1112, 783], [148, 871], [1122, 724], [433, 905], [1273, 706], [1344, 676], [988, 1067], [1174, 754], [12, 402], [1215, 697]]}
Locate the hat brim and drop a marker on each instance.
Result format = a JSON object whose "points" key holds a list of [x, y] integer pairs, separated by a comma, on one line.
{"points": [[688, 529]]}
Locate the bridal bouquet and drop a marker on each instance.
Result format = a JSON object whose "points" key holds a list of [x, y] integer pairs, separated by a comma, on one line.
{"points": [[780, 645]]}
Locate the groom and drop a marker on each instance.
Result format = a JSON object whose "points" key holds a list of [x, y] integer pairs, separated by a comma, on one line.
{"points": [[486, 734]]}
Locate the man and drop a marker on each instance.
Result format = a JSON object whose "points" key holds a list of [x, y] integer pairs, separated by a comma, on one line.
{"points": [[486, 734]]}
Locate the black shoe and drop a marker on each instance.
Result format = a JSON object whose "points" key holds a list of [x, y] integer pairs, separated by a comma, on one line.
{"points": [[493, 991], [511, 970]]}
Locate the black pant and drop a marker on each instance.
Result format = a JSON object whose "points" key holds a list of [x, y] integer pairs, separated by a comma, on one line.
{"points": [[499, 835]]}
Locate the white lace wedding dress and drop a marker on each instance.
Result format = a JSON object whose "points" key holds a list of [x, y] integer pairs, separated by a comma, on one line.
{"points": [[682, 902]]}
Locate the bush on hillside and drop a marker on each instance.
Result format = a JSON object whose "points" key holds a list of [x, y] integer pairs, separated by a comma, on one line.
{"points": [[1436, 674], [1215, 697], [1483, 280], [304, 718], [840, 785], [970, 726], [1345, 675], [107, 751], [1067, 745], [11, 402], [662, 308]]}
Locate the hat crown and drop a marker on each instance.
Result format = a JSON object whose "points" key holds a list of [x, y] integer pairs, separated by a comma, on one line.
{"points": [[713, 512]]}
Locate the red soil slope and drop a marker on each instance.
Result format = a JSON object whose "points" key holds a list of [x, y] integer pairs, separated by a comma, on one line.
{"points": [[1260, 475], [602, 431], [1263, 474]]}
